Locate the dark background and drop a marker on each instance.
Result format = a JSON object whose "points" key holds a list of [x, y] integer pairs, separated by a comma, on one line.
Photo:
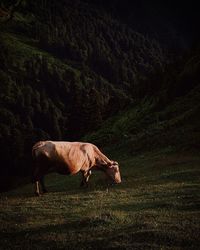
{"points": [[70, 70], [162, 19]]}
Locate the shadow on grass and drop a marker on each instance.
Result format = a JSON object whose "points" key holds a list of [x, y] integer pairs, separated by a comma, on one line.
{"points": [[74, 190], [158, 205], [180, 201], [184, 175], [79, 235]]}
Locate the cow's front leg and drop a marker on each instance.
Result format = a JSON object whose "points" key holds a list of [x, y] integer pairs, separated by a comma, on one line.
{"points": [[88, 176], [85, 178], [44, 190]]}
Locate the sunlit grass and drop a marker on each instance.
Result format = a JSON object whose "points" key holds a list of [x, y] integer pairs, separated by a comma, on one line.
{"points": [[156, 207]]}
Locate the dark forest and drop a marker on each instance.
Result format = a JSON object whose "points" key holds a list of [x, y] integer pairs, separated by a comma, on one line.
{"points": [[123, 75]]}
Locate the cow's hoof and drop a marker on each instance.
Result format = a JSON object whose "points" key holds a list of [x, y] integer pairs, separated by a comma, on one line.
{"points": [[82, 184], [37, 194]]}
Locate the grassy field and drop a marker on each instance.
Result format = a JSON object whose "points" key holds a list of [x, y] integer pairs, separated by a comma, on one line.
{"points": [[157, 206]]}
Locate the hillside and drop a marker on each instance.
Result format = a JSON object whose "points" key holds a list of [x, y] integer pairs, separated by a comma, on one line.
{"points": [[168, 119], [70, 70], [166, 21], [65, 68], [94, 71]]}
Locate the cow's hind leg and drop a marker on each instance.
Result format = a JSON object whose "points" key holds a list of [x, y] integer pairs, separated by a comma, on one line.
{"points": [[37, 188], [36, 180]]}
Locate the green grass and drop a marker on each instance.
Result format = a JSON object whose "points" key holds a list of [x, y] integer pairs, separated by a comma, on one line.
{"points": [[146, 126], [156, 207]]}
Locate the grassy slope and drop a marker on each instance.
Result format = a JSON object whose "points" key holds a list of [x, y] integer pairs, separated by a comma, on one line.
{"points": [[156, 207], [147, 126]]}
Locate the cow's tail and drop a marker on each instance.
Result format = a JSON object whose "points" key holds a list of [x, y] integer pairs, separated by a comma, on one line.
{"points": [[35, 147], [101, 157], [34, 171]]}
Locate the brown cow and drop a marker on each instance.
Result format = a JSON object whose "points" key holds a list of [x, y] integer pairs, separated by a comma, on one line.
{"points": [[69, 158]]}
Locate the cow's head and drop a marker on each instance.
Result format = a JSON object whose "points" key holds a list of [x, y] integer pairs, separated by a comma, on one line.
{"points": [[112, 171]]}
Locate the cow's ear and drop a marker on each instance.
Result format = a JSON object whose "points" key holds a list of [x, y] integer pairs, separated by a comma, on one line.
{"points": [[114, 167], [115, 163], [111, 165]]}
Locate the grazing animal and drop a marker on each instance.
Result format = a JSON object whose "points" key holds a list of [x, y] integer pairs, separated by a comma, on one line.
{"points": [[69, 158]]}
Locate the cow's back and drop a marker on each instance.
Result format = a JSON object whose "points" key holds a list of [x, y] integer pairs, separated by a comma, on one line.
{"points": [[65, 157], [76, 155]]}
